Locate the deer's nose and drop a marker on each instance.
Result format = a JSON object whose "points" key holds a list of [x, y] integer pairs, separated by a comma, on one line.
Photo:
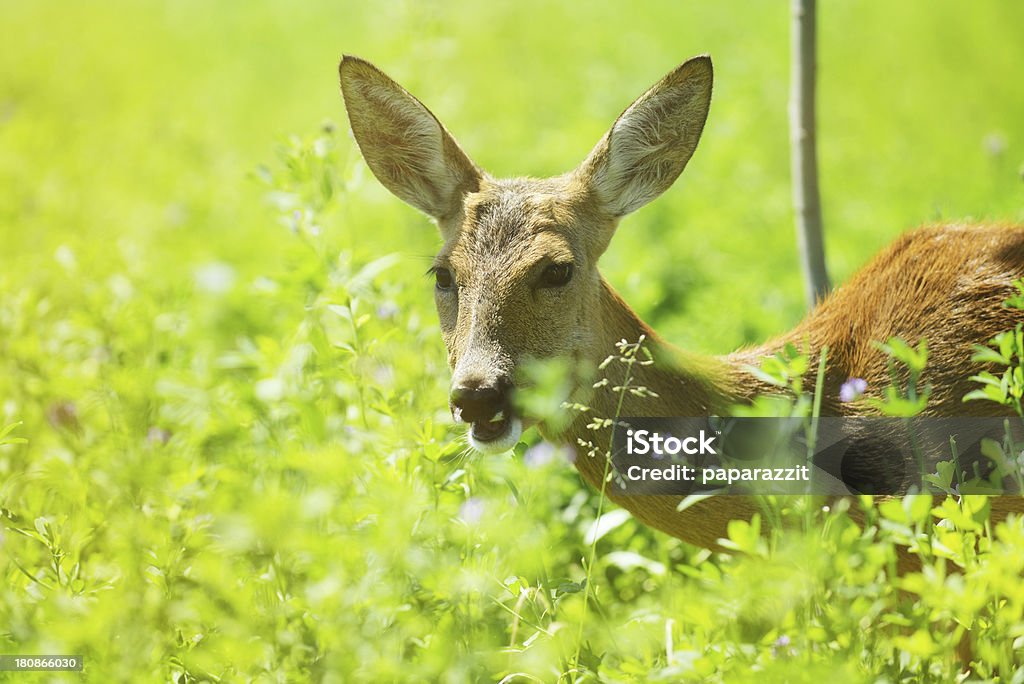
{"points": [[473, 403]]}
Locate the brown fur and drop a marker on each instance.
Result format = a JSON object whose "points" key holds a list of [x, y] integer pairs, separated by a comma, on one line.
{"points": [[915, 288], [943, 283]]}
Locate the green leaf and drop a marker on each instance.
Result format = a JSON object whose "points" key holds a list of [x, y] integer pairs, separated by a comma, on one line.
{"points": [[914, 359], [892, 509], [340, 310], [993, 450], [986, 378], [1016, 301], [900, 407], [631, 560], [943, 476], [562, 587], [798, 366], [691, 500], [974, 395], [919, 507], [513, 488], [984, 354], [4, 439], [745, 536], [1005, 342], [765, 376], [374, 268], [919, 644]]}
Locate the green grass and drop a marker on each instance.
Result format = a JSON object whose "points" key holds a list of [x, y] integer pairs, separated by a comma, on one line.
{"points": [[239, 462]]}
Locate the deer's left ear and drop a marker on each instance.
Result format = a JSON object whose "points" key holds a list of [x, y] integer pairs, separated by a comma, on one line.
{"points": [[650, 143], [404, 144]]}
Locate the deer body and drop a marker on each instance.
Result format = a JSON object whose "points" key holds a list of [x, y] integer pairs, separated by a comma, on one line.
{"points": [[891, 296], [517, 279]]}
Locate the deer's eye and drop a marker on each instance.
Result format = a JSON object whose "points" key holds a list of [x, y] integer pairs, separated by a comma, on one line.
{"points": [[444, 279], [556, 275]]}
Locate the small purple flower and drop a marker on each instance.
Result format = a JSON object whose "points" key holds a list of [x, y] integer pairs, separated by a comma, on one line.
{"points": [[995, 143], [387, 311], [539, 455], [852, 389], [780, 646], [472, 511], [158, 435]]}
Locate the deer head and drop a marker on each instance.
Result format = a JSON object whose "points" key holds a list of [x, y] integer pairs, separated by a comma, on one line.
{"points": [[517, 276]]}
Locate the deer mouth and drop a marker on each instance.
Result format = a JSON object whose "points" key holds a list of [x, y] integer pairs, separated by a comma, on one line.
{"points": [[497, 435]]}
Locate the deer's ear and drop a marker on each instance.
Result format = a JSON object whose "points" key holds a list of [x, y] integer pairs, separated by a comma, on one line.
{"points": [[404, 144], [650, 143]]}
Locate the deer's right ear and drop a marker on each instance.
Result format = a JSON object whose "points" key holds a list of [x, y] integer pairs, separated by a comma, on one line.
{"points": [[404, 144]]}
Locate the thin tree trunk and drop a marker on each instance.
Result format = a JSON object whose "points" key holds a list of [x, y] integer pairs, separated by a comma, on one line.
{"points": [[803, 150]]}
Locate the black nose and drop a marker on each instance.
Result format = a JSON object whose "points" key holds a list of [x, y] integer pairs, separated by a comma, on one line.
{"points": [[473, 404]]}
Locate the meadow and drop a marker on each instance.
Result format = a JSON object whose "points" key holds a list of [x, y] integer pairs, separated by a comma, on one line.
{"points": [[225, 447]]}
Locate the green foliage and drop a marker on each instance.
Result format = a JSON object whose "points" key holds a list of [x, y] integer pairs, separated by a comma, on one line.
{"points": [[1016, 301], [785, 370], [904, 396], [551, 382], [1005, 349], [232, 458], [7, 439]]}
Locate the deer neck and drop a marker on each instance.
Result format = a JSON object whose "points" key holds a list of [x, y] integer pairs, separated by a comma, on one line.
{"points": [[683, 383], [673, 382], [687, 384]]}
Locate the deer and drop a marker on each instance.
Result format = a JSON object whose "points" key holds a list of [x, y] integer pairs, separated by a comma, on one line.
{"points": [[517, 279]]}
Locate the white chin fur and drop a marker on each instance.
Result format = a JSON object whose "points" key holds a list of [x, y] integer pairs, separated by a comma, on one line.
{"points": [[503, 443]]}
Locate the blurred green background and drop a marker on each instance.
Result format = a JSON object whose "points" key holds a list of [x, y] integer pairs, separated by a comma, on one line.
{"points": [[239, 463]]}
